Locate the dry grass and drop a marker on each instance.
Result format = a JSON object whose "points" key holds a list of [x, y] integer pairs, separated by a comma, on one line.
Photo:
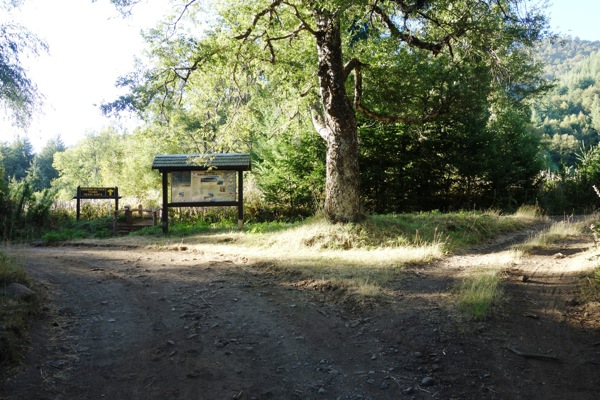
{"points": [[362, 258], [561, 230], [480, 290]]}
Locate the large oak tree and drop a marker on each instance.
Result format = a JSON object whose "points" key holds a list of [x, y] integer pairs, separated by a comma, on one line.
{"points": [[323, 52]]}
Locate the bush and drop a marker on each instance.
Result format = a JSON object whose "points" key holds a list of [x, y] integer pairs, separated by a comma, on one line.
{"points": [[23, 213]]}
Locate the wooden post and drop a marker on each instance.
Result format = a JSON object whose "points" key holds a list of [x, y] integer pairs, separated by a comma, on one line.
{"points": [[78, 202], [165, 207], [240, 200], [128, 215], [116, 200]]}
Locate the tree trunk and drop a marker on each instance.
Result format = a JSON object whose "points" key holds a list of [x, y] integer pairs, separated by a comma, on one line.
{"points": [[337, 125]]}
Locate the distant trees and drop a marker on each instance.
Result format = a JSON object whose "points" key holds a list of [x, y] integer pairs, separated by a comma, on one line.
{"points": [[26, 196], [16, 159], [42, 170], [568, 117], [18, 162], [561, 55], [110, 158]]}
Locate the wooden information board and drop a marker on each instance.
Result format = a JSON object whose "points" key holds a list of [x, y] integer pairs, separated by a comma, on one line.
{"points": [[96, 193]]}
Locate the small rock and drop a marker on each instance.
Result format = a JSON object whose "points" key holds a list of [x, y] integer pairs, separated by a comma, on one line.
{"points": [[384, 385], [427, 381], [525, 278], [572, 302], [371, 381], [408, 390], [559, 255], [18, 291], [322, 391]]}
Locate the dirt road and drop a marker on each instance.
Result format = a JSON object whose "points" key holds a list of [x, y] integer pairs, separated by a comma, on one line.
{"points": [[131, 323]]}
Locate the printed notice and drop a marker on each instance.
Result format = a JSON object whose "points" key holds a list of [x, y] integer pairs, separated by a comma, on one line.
{"points": [[203, 186]]}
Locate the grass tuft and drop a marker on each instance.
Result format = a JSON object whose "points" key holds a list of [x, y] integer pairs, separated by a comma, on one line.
{"points": [[479, 293], [590, 287], [561, 230]]}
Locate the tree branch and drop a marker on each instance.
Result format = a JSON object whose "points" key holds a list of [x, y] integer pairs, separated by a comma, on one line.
{"points": [[378, 117], [268, 13], [351, 66], [256, 19], [434, 47], [319, 123]]}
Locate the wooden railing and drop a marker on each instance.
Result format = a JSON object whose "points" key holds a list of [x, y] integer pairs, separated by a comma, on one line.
{"points": [[129, 219]]}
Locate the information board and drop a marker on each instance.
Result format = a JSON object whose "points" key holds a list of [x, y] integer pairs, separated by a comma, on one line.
{"points": [[203, 186], [96, 193]]}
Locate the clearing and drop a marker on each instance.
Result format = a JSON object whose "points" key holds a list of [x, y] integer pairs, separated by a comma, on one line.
{"points": [[191, 322]]}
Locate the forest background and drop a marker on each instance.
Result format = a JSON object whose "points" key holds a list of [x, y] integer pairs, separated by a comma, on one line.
{"points": [[489, 148]]}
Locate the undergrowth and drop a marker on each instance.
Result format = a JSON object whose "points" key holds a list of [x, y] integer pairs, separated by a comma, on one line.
{"points": [[74, 230], [449, 231]]}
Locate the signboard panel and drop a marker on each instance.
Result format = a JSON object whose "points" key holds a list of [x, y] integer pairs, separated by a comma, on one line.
{"points": [[97, 193], [203, 186]]}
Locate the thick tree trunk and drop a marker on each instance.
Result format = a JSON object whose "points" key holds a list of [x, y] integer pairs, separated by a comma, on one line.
{"points": [[337, 125]]}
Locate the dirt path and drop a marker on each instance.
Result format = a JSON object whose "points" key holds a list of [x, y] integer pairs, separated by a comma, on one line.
{"points": [[141, 324]]}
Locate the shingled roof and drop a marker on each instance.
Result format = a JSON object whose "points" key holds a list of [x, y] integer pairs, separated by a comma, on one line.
{"points": [[200, 162]]}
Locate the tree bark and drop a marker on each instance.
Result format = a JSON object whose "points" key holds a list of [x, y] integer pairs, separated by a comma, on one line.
{"points": [[336, 123]]}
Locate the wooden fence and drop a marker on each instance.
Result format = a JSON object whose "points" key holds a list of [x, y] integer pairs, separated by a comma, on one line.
{"points": [[129, 219]]}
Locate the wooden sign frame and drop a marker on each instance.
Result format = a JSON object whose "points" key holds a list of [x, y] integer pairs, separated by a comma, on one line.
{"points": [[111, 193]]}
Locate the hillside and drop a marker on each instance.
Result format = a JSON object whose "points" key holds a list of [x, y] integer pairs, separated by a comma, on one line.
{"points": [[562, 55], [568, 116]]}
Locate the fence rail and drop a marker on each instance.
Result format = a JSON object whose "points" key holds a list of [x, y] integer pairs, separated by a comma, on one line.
{"points": [[125, 219]]}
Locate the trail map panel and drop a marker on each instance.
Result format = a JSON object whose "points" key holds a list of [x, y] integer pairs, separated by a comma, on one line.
{"points": [[203, 186]]}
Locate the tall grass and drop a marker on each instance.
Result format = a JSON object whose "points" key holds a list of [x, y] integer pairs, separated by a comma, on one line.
{"points": [[558, 231], [365, 257]]}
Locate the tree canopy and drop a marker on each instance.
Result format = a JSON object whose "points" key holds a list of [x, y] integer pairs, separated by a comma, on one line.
{"points": [[18, 94], [396, 62]]}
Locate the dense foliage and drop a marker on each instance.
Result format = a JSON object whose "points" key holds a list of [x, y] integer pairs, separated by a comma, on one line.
{"points": [[26, 196], [18, 94], [406, 62], [449, 131]]}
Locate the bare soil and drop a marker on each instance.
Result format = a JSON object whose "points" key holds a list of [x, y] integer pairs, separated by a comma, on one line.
{"points": [[133, 323]]}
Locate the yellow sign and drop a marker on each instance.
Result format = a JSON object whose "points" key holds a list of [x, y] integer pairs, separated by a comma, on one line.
{"points": [[97, 193]]}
